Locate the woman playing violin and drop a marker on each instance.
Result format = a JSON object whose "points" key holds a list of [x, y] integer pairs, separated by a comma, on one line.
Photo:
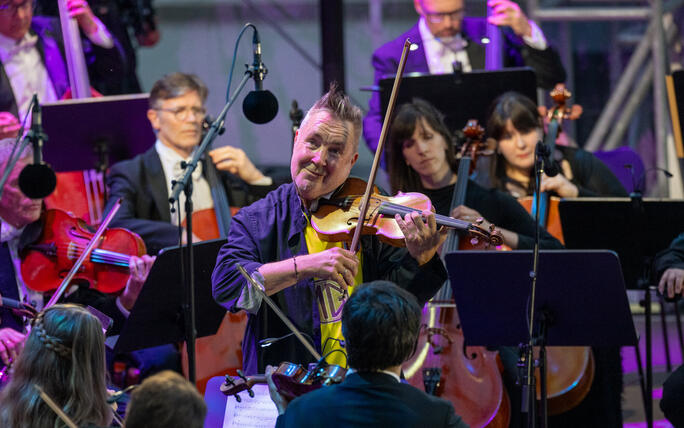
{"points": [[421, 159], [310, 279], [514, 122]]}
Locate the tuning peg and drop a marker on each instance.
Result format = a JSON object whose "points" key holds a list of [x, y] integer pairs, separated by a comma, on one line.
{"points": [[244, 378]]}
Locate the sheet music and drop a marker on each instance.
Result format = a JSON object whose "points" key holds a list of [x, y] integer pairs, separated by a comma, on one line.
{"points": [[257, 412]]}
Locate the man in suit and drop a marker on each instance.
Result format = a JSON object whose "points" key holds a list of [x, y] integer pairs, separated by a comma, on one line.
{"points": [[380, 324], [20, 225], [32, 57], [144, 183], [441, 41]]}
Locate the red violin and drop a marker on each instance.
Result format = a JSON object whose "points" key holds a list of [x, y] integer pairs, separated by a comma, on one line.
{"points": [[46, 262]]}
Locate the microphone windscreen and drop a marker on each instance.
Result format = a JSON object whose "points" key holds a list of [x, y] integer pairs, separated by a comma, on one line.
{"points": [[260, 106], [37, 181]]}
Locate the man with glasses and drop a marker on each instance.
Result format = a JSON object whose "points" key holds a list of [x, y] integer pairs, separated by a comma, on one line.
{"points": [[177, 114], [31, 56], [441, 41]]}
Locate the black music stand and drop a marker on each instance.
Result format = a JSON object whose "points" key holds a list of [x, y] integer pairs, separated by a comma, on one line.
{"points": [[157, 317], [636, 229], [461, 96], [96, 132], [571, 300]]}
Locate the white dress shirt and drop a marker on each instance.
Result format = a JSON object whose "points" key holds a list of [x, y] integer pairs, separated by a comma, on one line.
{"points": [[27, 73], [441, 53], [201, 192]]}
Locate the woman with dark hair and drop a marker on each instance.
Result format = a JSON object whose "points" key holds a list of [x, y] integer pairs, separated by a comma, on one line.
{"points": [[421, 159], [514, 122], [65, 355]]}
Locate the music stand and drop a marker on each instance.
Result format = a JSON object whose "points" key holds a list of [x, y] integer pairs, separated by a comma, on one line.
{"points": [[157, 317], [636, 229], [96, 132], [573, 300], [461, 96]]}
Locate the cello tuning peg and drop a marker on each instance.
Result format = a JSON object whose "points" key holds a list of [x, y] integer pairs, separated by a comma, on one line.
{"points": [[237, 398], [250, 392], [241, 375], [229, 380]]}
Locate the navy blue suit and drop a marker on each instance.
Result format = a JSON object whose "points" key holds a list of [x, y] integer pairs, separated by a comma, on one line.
{"points": [[369, 400]]}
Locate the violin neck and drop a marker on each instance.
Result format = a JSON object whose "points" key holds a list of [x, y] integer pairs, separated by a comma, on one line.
{"points": [[390, 209]]}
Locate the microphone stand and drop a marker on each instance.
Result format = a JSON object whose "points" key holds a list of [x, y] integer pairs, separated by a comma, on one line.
{"points": [[184, 184], [537, 327]]}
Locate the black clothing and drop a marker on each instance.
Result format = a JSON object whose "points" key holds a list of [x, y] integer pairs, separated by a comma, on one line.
{"points": [[369, 400], [498, 208], [672, 403]]}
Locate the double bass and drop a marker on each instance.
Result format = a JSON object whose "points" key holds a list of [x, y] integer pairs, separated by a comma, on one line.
{"points": [[467, 376]]}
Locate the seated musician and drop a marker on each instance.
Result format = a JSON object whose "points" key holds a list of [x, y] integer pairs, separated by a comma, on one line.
{"points": [[166, 400], [309, 278], [65, 355], [514, 122], [669, 270], [380, 324], [20, 225], [177, 110], [31, 57], [420, 158]]}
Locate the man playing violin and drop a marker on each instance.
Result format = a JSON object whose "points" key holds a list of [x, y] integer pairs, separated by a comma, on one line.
{"points": [[19, 225], [371, 394], [308, 278], [32, 61]]}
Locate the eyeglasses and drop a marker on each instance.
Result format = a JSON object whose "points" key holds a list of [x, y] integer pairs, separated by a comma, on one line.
{"points": [[182, 113], [438, 17], [10, 8]]}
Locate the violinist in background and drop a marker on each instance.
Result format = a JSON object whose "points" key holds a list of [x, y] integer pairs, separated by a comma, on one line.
{"points": [[20, 225], [380, 323], [64, 355], [669, 270], [176, 113], [514, 122], [421, 158], [31, 55], [308, 278]]}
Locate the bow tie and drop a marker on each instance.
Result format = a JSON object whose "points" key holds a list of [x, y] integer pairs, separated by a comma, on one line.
{"points": [[178, 171], [454, 44], [27, 43]]}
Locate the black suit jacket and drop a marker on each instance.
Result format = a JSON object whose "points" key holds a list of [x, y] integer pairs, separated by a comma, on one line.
{"points": [[369, 400], [140, 183]]}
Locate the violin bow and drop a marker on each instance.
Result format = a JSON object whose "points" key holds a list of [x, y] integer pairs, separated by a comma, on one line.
{"points": [[84, 255], [255, 285], [363, 208]]}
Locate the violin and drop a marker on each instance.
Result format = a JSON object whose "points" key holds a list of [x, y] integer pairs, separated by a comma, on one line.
{"points": [[45, 263], [337, 217], [291, 380]]}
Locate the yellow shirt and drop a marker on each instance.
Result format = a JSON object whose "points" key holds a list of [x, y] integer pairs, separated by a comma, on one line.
{"points": [[330, 297]]}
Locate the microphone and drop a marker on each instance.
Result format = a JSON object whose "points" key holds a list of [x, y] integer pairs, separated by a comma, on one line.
{"points": [[37, 180], [259, 106], [543, 153]]}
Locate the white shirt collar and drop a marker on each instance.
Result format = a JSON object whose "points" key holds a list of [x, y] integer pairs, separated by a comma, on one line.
{"points": [[8, 232]]}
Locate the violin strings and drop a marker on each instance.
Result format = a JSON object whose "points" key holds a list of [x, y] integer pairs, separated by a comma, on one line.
{"points": [[97, 255]]}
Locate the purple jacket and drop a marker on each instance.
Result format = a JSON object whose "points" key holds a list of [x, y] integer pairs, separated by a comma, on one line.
{"points": [[272, 229], [546, 64]]}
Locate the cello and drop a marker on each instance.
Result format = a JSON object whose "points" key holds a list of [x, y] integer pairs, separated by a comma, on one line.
{"points": [[570, 370], [443, 365]]}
